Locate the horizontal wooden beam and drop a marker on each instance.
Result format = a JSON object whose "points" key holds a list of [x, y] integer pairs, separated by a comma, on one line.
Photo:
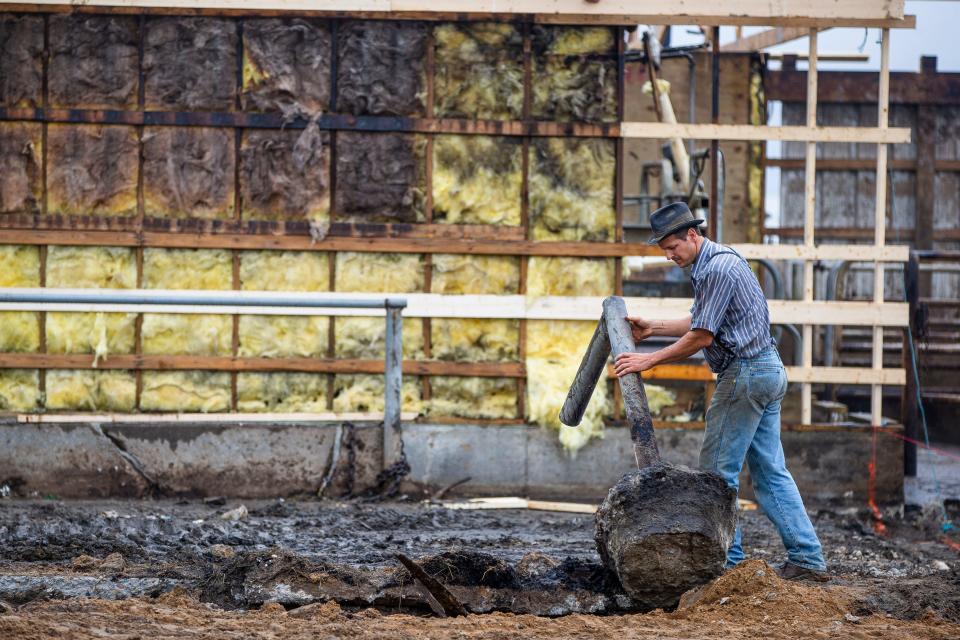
{"points": [[455, 242], [892, 253], [226, 363], [858, 164], [433, 305], [816, 13], [296, 228], [862, 87], [764, 39], [817, 375], [840, 164], [234, 419], [665, 130], [848, 233], [329, 121], [486, 243]]}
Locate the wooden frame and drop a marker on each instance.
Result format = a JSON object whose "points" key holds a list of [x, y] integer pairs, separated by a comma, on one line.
{"points": [[814, 13], [431, 238]]}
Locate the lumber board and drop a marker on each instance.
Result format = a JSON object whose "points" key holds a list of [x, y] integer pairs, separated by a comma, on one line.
{"points": [[137, 362], [519, 307], [133, 362], [820, 13], [327, 122], [764, 39], [437, 244], [237, 419], [664, 130], [512, 502]]}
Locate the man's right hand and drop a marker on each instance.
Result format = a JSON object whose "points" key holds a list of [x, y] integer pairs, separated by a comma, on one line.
{"points": [[640, 328]]}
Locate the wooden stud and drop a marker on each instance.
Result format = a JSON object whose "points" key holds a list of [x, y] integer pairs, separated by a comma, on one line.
{"points": [[809, 221], [752, 132], [880, 218]]}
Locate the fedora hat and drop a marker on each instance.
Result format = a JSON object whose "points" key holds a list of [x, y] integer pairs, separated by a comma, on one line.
{"points": [[670, 219]]}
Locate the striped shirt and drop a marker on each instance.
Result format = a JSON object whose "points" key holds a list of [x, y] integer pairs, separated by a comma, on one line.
{"points": [[728, 302]]}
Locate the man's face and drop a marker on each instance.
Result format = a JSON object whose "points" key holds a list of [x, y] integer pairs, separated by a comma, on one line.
{"points": [[681, 250]]}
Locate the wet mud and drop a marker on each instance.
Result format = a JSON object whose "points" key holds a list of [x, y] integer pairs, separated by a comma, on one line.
{"points": [[65, 566], [664, 530]]}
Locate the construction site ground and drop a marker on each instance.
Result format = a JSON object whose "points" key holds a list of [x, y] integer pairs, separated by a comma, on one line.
{"points": [[323, 568]]}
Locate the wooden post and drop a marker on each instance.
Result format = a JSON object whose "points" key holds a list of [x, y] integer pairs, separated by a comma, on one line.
{"points": [[392, 384], [883, 106], [809, 218]]}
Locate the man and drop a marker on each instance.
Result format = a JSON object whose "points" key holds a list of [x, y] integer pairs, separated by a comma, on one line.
{"points": [[731, 323]]}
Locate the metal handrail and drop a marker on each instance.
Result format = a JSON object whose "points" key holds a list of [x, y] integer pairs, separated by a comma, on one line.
{"points": [[275, 302]]}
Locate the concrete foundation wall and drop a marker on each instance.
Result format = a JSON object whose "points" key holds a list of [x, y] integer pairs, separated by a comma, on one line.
{"points": [[257, 460]]}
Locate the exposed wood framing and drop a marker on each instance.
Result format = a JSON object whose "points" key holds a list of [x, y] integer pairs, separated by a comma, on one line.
{"points": [[809, 133], [72, 237], [810, 207], [133, 362], [234, 419], [880, 220], [814, 13], [327, 122], [521, 307], [764, 39]]}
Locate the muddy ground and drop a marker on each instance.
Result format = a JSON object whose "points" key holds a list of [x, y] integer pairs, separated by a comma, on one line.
{"points": [[328, 569]]}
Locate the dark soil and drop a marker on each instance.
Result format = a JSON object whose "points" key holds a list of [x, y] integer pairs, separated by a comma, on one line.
{"points": [[298, 553]]}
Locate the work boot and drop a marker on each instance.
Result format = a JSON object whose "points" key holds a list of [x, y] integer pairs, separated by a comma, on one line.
{"points": [[794, 572]]}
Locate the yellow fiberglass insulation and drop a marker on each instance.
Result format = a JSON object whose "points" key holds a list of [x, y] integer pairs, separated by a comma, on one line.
{"points": [[197, 335], [556, 276], [554, 350], [182, 334], [574, 74], [19, 389], [479, 70], [185, 391], [284, 336], [91, 267], [187, 269], [19, 267], [477, 180], [366, 338], [572, 189], [364, 393], [475, 340], [91, 390], [284, 271], [489, 398], [377, 273], [282, 392]]}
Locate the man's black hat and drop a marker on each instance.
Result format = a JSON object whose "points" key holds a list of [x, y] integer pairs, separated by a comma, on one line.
{"points": [[670, 219]]}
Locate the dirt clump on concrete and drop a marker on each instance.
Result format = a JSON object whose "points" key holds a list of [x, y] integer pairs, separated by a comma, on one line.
{"points": [[664, 530]]}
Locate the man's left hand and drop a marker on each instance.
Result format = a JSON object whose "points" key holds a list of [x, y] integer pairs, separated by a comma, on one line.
{"points": [[633, 363]]}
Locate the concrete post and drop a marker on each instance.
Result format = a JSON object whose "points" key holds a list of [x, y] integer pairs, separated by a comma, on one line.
{"points": [[613, 335], [393, 381]]}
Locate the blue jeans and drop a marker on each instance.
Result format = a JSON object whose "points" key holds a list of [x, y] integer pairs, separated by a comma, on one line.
{"points": [[743, 421]]}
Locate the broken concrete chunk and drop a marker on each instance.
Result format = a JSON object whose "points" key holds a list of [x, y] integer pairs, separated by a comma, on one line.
{"points": [[664, 530]]}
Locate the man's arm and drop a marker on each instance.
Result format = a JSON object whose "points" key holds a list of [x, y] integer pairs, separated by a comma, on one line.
{"points": [[688, 344], [643, 329]]}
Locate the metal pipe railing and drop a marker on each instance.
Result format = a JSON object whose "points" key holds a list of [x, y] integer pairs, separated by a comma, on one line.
{"points": [[30, 299]]}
